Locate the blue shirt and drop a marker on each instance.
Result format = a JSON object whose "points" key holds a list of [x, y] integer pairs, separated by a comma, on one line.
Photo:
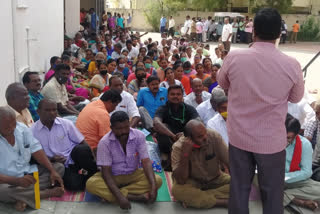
{"points": [[120, 22], [150, 102], [305, 164], [109, 51], [94, 19], [15, 159], [35, 98], [163, 22]]}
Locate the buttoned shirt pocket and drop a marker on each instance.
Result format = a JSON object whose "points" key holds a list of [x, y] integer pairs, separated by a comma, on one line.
{"points": [[133, 160], [61, 143], [26, 153]]}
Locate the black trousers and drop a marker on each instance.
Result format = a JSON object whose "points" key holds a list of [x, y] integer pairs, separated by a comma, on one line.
{"points": [[83, 159], [171, 31], [271, 171], [165, 144], [283, 38]]}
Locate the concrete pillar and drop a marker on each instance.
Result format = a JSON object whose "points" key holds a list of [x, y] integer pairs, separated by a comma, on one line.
{"points": [[72, 17]]}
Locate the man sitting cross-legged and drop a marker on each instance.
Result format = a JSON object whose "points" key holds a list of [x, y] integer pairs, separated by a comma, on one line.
{"points": [[17, 146], [119, 153], [196, 158], [170, 120], [63, 143], [299, 190], [150, 99]]}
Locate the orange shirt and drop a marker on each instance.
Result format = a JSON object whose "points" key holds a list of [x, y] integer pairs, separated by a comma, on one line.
{"points": [[186, 84], [205, 76], [296, 27], [161, 74], [94, 122]]}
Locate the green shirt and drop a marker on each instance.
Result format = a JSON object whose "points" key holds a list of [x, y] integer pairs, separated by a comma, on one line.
{"points": [[241, 24]]}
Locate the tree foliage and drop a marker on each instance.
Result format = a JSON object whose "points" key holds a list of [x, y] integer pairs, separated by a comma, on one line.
{"points": [[202, 5], [283, 6], [156, 8], [310, 29]]}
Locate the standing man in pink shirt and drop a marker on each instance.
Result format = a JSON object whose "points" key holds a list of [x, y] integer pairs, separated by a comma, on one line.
{"points": [[260, 82], [249, 30]]}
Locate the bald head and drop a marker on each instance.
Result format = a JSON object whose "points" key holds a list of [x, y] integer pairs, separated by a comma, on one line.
{"points": [[196, 81], [47, 111], [17, 96], [14, 88], [192, 126], [6, 112], [100, 56], [46, 102], [197, 86], [7, 122], [196, 131]]}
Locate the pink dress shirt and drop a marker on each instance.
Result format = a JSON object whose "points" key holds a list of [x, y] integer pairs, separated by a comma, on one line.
{"points": [[260, 80]]}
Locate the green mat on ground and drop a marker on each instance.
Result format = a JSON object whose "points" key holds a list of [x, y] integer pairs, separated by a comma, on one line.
{"points": [[163, 192]]}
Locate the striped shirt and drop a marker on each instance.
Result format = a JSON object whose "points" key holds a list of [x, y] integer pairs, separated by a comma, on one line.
{"points": [[260, 82]]}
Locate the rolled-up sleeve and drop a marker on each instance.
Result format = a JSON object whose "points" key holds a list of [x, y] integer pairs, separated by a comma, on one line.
{"points": [[297, 91], [222, 75], [142, 147], [30, 141], [132, 107], [104, 156]]}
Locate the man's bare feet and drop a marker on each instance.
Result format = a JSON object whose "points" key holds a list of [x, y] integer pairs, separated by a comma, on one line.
{"points": [[309, 204], [20, 206], [54, 192], [139, 198]]}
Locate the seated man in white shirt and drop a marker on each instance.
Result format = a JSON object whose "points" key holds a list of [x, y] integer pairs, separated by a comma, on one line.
{"points": [[206, 109], [301, 111], [218, 122], [133, 52], [127, 104], [198, 95]]}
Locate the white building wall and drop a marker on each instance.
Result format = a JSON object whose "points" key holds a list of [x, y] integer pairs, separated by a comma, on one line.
{"points": [[6, 55], [45, 22], [72, 17]]}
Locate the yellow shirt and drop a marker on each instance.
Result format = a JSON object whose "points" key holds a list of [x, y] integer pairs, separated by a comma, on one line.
{"points": [[25, 117], [92, 69]]}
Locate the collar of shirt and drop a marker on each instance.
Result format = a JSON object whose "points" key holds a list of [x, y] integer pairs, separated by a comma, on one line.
{"points": [[149, 91], [132, 136], [33, 94], [41, 126], [263, 45], [25, 116]]}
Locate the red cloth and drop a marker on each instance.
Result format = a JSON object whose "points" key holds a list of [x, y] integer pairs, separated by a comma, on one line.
{"points": [[296, 159]]}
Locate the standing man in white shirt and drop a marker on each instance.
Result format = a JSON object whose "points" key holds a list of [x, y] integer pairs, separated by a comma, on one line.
{"points": [[226, 34], [171, 26], [187, 27], [205, 29]]}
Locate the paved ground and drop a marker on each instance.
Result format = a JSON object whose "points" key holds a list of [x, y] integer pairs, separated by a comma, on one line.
{"points": [[48, 207], [303, 52]]}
